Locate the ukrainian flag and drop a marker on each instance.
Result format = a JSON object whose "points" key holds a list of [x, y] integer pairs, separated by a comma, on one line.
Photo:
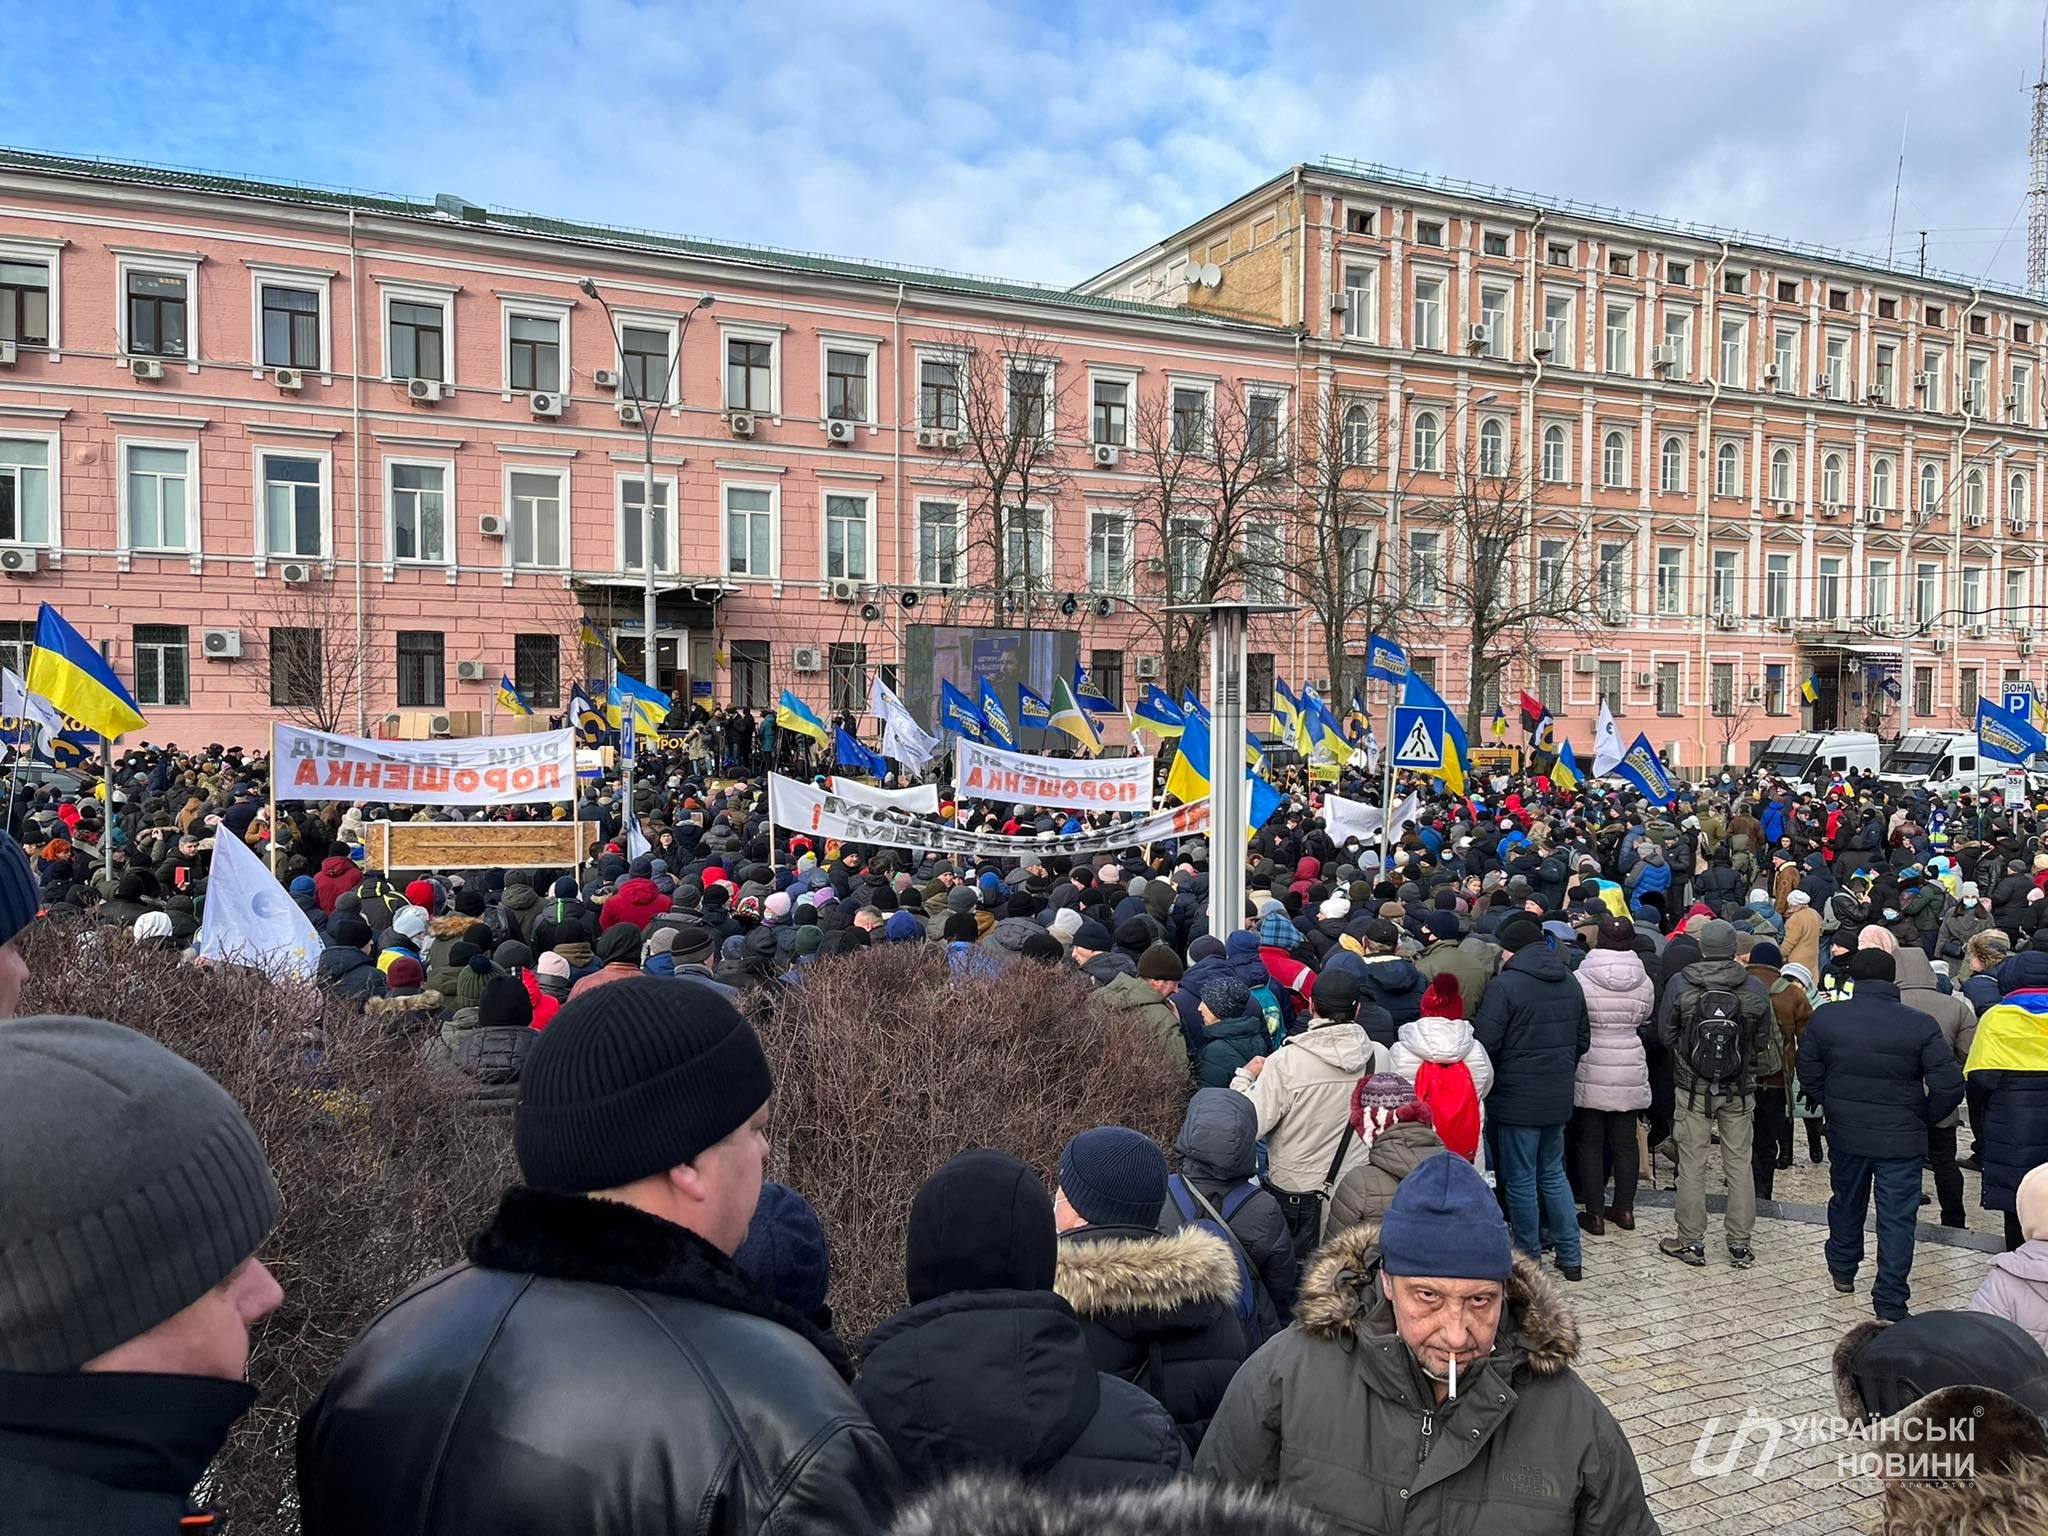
{"points": [[1810, 689], [1457, 749], [1188, 779], [590, 636], [1564, 773], [1325, 731], [1286, 710], [1159, 714], [650, 704], [793, 714], [510, 698], [68, 670]]}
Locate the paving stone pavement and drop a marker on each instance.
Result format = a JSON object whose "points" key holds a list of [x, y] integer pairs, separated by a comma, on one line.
{"points": [[1669, 1348]]}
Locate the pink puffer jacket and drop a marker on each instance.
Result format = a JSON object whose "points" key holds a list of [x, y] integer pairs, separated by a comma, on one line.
{"points": [[1614, 1074]]}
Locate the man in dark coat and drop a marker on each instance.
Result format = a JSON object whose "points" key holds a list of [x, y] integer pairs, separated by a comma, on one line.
{"points": [[1534, 1026], [1388, 978], [987, 1370], [346, 966], [599, 1363], [1159, 1311], [1218, 1152], [1883, 1074]]}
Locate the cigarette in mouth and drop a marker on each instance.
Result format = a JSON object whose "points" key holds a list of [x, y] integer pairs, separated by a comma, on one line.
{"points": [[1454, 1375]]}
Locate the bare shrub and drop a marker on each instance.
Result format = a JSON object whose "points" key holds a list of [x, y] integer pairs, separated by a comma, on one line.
{"points": [[384, 1176], [885, 1066]]}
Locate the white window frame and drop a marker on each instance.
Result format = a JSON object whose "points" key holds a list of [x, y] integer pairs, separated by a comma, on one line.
{"points": [[1834, 466], [1669, 596], [154, 699], [193, 501], [1553, 555], [2022, 392], [1434, 538], [1971, 594], [1724, 597], [1100, 373], [1924, 504], [1733, 328], [1497, 318], [325, 458], [563, 479], [1564, 349], [1780, 571], [1499, 429], [1609, 481], [867, 525], [1046, 367], [1043, 516], [1361, 438], [2014, 612], [1680, 316], [1730, 487], [1098, 519], [1976, 495], [1671, 484], [1926, 591], [1884, 479], [1934, 362], [956, 357], [435, 295], [740, 330], [1441, 284], [1788, 369], [49, 254], [1255, 393], [652, 320], [1828, 588], [1884, 370], [1612, 567], [1782, 487], [774, 490], [1834, 364], [1564, 454], [318, 281], [665, 487], [1433, 463], [532, 307], [1880, 575], [1175, 383], [410, 461], [959, 543], [155, 264], [1264, 582], [1362, 318], [1608, 310], [2018, 495], [54, 469], [1977, 383], [870, 349]]}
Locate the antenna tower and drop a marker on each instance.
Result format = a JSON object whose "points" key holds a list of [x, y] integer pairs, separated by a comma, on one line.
{"points": [[2037, 181]]}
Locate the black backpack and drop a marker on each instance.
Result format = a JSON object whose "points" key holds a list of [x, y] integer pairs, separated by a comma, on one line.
{"points": [[1713, 1039]]}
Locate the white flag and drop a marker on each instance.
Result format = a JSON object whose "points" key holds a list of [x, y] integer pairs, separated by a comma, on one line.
{"points": [[18, 703], [636, 840], [251, 919], [1347, 819], [1607, 748], [902, 737]]}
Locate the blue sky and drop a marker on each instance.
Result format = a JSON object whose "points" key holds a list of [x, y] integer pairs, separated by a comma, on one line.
{"points": [[1048, 140]]}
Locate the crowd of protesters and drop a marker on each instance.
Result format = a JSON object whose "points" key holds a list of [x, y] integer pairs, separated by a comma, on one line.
{"points": [[1422, 1093]]}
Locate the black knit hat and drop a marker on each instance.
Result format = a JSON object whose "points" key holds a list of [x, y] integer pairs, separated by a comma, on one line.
{"points": [[632, 1079], [19, 895]]}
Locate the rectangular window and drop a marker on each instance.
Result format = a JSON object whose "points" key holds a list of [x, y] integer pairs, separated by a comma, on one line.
{"points": [[1878, 597], [1619, 333], [1923, 691], [1887, 309], [1429, 314], [1560, 255], [1734, 338], [1106, 676], [1788, 291], [1785, 358], [159, 486], [752, 677], [1429, 232], [1612, 573], [1678, 273], [846, 388], [2022, 403], [1979, 325], [1423, 667], [1610, 688], [1030, 416], [1187, 557], [1933, 382], [749, 531], [1934, 315], [1109, 421], [1968, 686], [162, 665], [1425, 567], [2014, 612], [1734, 282], [538, 523], [1725, 581], [938, 394], [1884, 381], [1775, 697], [292, 512], [1027, 549], [1259, 667], [1262, 427], [1190, 419], [1491, 244], [1973, 594], [1550, 563], [643, 360], [1265, 564], [1838, 368], [1926, 591], [295, 668], [419, 512], [1550, 684], [1493, 314], [1361, 303], [1109, 552], [1358, 221], [938, 544], [25, 303], [1667, 688], [1777, 586], [1620, 266], [291, 327], [1977, 389], [1677, 342], [1721, 686], [421, 659], [1360, 551], [417, 347], [749, 374], [1557, 321], [1838, 298], [1670, 582], [156, 314], [848, 674], [846, 539], [633, 525], [537, 670], [1828, 588]]}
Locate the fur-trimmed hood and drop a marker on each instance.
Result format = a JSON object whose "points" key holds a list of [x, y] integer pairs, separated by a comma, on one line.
{"points": [[451, 925], [990, 1506], [397, 1013], [1111, 1270], [1340, 1300]]}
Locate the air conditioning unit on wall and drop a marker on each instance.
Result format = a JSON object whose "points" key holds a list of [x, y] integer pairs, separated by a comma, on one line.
{"points": [[221, 644], [809, 658]]}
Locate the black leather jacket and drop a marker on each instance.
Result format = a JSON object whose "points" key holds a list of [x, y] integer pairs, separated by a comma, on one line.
{"points": [[592, 1370]]}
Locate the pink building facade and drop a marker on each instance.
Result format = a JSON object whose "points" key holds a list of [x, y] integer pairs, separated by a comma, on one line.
{"points": [[252, 433]]}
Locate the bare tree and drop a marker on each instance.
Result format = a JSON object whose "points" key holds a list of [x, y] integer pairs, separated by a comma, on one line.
{"points": [[316, 660], [1731, 724], [1210, 521], [1484, 576]]}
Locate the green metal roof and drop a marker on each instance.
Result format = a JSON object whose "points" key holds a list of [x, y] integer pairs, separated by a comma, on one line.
{"points": [[509, 220]]}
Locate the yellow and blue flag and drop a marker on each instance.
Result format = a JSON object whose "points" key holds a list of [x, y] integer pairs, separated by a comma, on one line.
{"points": [[586, 718], [1323, 729], [1564, 773], [1386, 660], [1192, 708], [74, 749], [1188, 779], [1643, 768], [793, 714], [510, 698], [997, 721], [1286, 710], [1500, 722], [1457, 749], [1159, 714], [2004, 737], [1255, 753], [649, 702], [68, 670], [958, 714], [591, 636], [1067, 715], [1032, 710], [1810, 689]]}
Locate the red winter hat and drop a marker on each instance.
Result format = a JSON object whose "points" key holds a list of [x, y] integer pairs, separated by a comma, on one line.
{"points": [[422, 893], [1443, 998]]}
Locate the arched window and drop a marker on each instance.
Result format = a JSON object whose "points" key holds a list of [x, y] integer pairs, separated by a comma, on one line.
{"points": [[1428, 440], [1671, 465], [2016, 498], [1831, 479], [1553, 454], [1881, 484], [1493, 458], [1973, 496], [1930, 489], [1727, 471], [1781, 475], [1357, 435], [1614, 460]]}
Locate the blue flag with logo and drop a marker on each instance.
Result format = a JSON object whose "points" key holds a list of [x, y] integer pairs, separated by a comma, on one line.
{"points": [[1642, 767], [958, 714], [849, 753], [1032, 710], [1385, 660], [996, 719], [2006, 737], [1086, 694]]}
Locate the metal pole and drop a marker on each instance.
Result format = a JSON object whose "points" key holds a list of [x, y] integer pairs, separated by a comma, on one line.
{"points": [[107, 815], [1387, 747], [647, 542], [1227, 834]]}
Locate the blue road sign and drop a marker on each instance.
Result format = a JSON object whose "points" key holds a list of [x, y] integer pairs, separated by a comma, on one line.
{"points": [[1419, 731], [2020, 701], [627, 734]]}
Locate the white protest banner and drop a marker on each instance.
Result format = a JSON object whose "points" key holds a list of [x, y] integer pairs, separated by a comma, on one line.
{"points": [[800, 807], [918, 800], [467, 770], [1347, 819], [1068, 783]]}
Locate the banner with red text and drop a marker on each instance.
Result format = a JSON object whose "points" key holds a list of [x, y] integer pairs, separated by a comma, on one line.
{"points": [[1068, 783], [467, 770], [798, 807]]}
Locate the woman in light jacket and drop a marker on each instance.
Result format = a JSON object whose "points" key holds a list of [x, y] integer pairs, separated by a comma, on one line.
{"points": [[1613, 1082]]}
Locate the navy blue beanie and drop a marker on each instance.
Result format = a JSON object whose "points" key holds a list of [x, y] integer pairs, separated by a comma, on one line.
{"points": [[785, 1249], [20, 896], [1114, 1177], [1444, 1223]]}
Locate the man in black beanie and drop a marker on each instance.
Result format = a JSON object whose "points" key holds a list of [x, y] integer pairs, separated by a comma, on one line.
{"points": [[599, 1365]]}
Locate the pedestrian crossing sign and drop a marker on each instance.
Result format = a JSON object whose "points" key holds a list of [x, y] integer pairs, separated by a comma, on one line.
{"points": [[1419, 736]]}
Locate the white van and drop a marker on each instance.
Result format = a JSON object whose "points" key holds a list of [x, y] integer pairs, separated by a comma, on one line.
{"points": [[1808, 759], [1942, 760]]}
